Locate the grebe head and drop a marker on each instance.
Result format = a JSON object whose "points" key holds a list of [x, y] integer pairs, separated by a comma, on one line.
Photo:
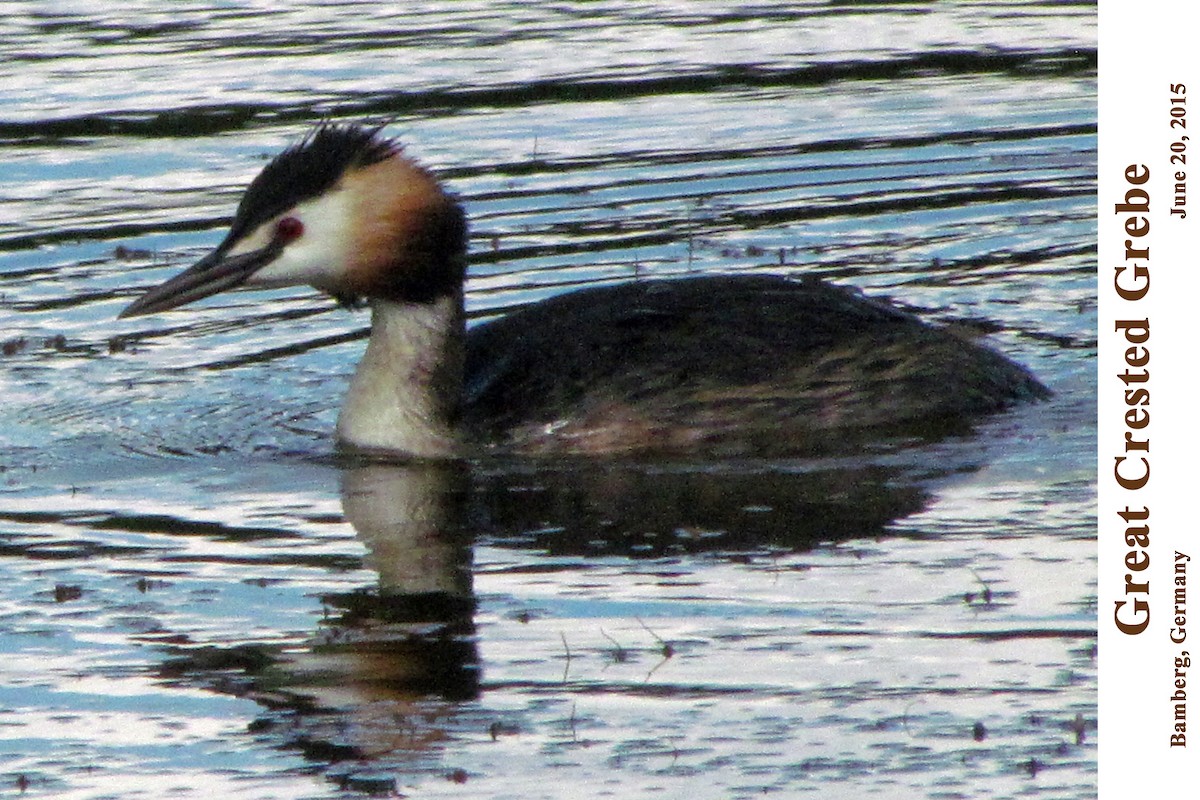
{"points": [[344, 211]]}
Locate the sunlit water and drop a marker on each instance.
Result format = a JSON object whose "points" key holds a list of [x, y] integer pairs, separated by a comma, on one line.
{"points": [[196, 600]]}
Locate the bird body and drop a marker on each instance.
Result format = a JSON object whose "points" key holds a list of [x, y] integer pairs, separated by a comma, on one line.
{"points": [[722, 364], [727, 364]]}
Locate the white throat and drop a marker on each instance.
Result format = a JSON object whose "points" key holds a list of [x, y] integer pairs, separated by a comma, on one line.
{"points": [[405, 394]]}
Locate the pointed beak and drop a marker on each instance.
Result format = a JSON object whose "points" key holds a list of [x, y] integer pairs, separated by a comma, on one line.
{"points": [[214, 273]]}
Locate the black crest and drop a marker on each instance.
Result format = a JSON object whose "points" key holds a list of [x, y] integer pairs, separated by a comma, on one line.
{"points": [[308, 169]]}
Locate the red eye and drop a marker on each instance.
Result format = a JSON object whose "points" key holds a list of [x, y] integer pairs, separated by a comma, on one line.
{"points": [[288, 229]]}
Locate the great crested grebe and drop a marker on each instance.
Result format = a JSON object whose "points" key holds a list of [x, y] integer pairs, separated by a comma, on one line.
{"points": [[719, 364]]}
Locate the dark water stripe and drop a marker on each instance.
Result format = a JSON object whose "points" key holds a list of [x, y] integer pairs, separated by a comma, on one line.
{"points": [[106, 232], [284, 351], [796, 182], [1072, 61], [621, 235], [211, 119], [130, 230], [849, 144]]}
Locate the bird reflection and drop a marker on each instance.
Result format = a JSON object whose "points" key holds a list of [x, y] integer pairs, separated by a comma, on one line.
{"points": [[412, 635], [391, 677]]}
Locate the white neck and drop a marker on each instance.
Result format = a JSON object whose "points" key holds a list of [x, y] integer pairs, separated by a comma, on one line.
{"points": [[405, 393]]}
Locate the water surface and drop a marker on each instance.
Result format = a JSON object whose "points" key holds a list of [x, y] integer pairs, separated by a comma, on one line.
{"points": [[196, 599]]}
